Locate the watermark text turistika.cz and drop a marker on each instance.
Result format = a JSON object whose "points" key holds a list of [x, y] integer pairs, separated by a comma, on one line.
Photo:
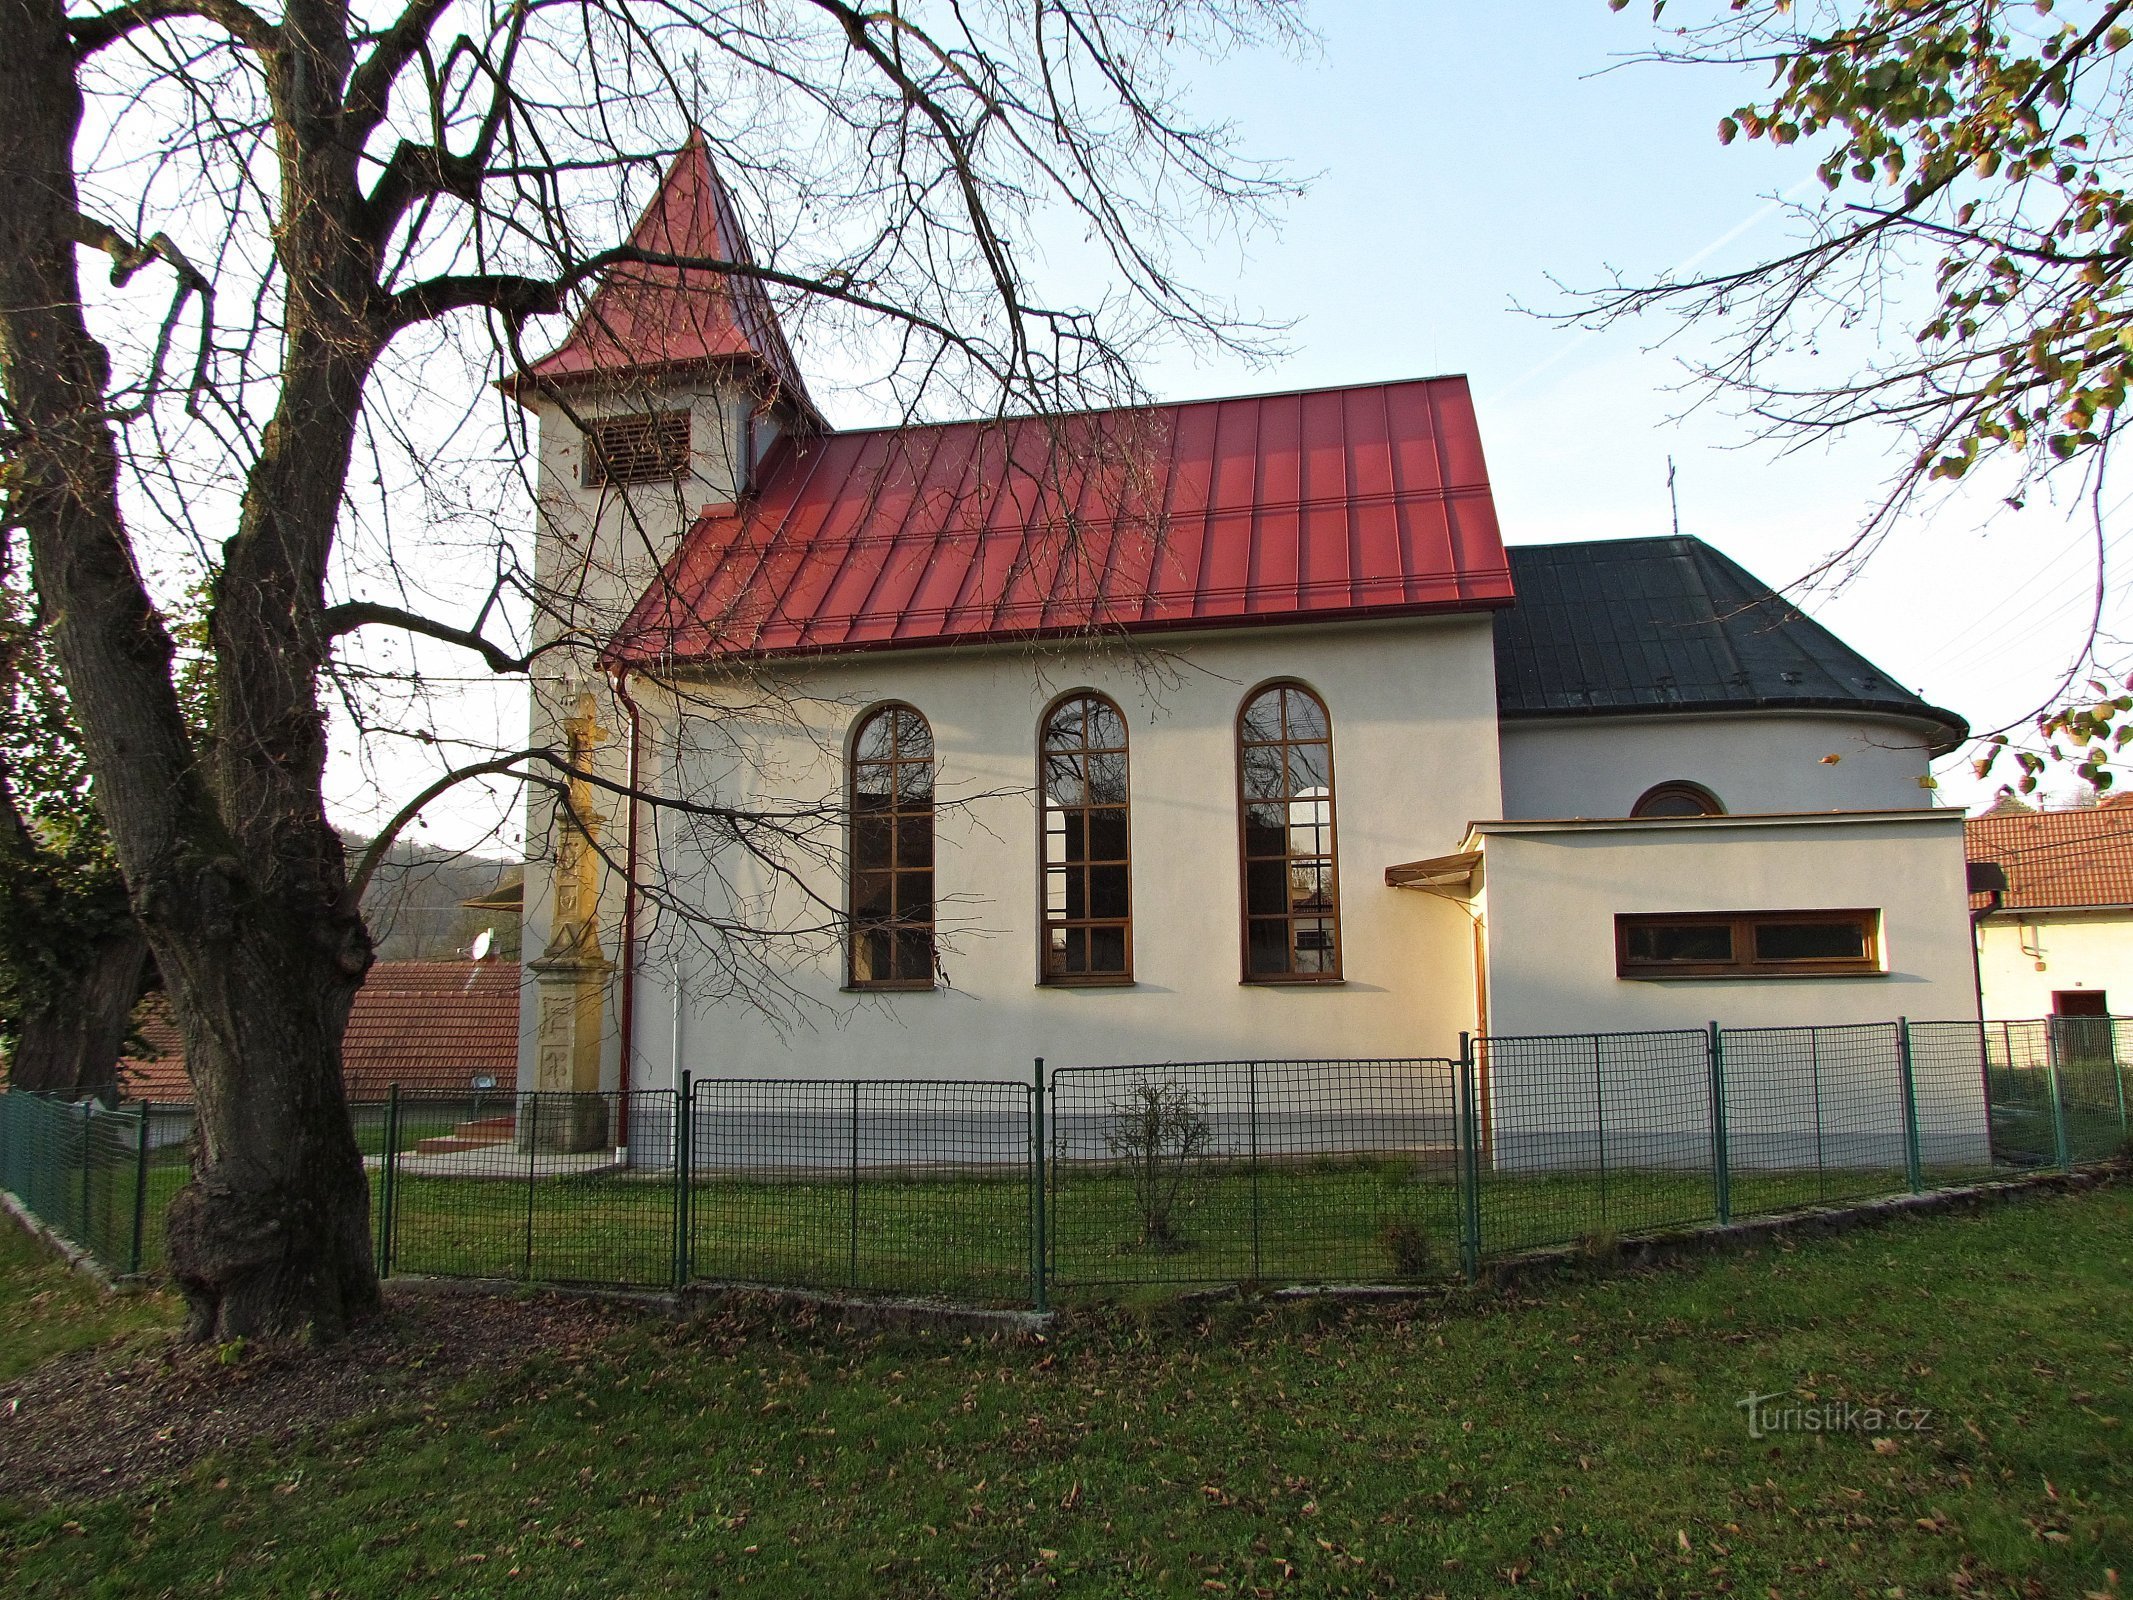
{"points": [[1785, 1413]]}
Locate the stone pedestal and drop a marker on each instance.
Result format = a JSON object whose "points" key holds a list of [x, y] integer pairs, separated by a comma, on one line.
{"points": [[571, 1114]]}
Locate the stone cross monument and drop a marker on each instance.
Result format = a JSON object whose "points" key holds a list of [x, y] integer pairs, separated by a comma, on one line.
{"points": [[572, 971]]}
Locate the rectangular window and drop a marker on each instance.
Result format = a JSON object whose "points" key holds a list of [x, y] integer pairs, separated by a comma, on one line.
{"points": [[642, 447], [1760, 944]]}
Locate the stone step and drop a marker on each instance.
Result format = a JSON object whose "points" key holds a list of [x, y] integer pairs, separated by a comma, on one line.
{"points": [[483, 1135]]}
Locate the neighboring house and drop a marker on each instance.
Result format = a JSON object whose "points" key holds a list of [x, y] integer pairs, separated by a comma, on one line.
{"points": [[2055, 935], [1198, 731], [429, 1026]]}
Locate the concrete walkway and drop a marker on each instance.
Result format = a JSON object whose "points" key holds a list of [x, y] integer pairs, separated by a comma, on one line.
{"points": [[503, 1161]]}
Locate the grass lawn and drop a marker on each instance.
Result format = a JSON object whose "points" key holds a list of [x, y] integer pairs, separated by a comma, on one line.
{"points": [[1349, 1220], [47, 1310], [1586, 1441]]}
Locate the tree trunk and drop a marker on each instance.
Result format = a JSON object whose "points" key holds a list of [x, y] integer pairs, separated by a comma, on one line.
{"points": [[272, 1236], [72, 1048], [233, 873]]}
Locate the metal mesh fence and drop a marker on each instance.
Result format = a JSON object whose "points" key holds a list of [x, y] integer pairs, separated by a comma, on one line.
{"points": [[1291, 1171], [1813, 1116], [2058, 1088], [1958, 1116], [77, 1166], [530, 1186], [1589, 1135], [1219, 1171], [914, 1186]]}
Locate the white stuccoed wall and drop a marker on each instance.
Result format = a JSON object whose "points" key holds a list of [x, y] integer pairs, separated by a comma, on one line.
{"points": [[1553, 894], [2075, 949], [597, 550], [1836, 1100], [1755, 762], [1413, 711]]}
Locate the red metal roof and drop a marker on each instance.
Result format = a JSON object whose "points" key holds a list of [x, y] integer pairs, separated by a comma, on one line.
{"points": [[1371, 500], [651, 322], [434, 1025], [2057, 858]]}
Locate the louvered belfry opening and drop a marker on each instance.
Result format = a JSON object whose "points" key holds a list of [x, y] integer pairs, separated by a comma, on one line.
{"points": [[639, 447]]}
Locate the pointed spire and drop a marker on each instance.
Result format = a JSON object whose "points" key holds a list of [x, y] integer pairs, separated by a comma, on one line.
{"points": [[656, 322]]}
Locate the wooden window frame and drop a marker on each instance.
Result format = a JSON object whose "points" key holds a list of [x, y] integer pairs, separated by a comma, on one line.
{"points": [[1046, 921], [856, 929], [1711, 804], [1336, 972], [657, 457], [1744, 963]]}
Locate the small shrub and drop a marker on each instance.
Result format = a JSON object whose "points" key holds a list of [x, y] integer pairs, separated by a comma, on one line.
{"points": [[1409, 1249], [1600, 1244], [1157, 1133]]}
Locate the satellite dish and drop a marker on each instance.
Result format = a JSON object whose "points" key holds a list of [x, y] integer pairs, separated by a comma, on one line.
{"points": [[482, 941]]}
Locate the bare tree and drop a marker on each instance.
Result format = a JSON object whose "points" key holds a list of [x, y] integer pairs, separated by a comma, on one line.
{"points": [[1959, 286], [316, 221]]}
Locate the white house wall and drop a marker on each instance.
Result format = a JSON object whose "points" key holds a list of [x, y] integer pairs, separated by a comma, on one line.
{"points": [[1554, 895], [1597, 766], [1796, 1099], [1413, 716], [2023, 959]]}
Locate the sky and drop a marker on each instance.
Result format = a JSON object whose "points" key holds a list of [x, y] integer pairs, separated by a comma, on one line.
{"points": [[1470, 166], [1475, 163]]}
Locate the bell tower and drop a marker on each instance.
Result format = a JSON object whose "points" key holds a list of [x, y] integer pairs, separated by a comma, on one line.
{"points": [[672, 384]]}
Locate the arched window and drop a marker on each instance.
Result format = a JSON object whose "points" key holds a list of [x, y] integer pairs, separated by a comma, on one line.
{"points": [[1088, 909], [1292, 929], [891, 904], [1677, 797]]}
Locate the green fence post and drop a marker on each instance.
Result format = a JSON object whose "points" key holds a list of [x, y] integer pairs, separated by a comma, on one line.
{"points": [[140, 1186], [83, 1232], [2060, 1148], [1038, 1290], [1721, 1153], [2118, 1077], [388, 1180], [533, 1144], [1913, 1167], [684, 1157], [1252, 1078], [1814, 1063], [853, 1267], [1467, 1135]]}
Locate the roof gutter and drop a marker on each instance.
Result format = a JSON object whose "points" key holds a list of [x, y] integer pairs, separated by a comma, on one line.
{"points": [[1949, 731]]}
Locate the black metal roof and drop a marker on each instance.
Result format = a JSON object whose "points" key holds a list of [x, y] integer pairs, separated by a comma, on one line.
{"points": [[1622, 626]]}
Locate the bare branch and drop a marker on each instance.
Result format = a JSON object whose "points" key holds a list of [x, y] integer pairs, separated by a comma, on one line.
{"points": [[240, 21], [353, 614]]}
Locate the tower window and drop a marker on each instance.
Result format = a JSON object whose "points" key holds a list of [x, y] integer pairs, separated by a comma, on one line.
{"points": [[641, 447]]}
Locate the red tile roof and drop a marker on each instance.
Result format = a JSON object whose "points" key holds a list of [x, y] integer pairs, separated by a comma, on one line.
{"points": [[1371, 500], [657, 322], [434, 1025], [2057, 858]]}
